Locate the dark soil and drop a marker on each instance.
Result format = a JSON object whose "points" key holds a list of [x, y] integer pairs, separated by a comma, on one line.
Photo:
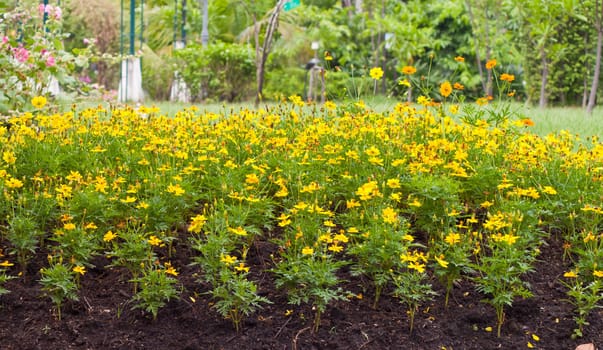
{"points": [[103, 317]]}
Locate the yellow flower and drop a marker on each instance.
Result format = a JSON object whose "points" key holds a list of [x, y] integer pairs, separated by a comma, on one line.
{"points": [[6, 263], [452, 238], [376, 73], [440, 260], [454, 109], [241, 267], [176, 189], [409, 70], [238, 231], [38, 101], [335, 248], [228, 259], [423, 100], [482, 101], [197, 223], [69, 226], [393, 183], [598, 273], [570, 274], [459, 59], [109, 236], [307, 251], [486, 204], [445, 89], [13, 183], [252, 179], [328, 56], [404, 82], [389, 215], [79, 269], [154, 241], [549, 190], [170, 270], [330, 105], [491, 64], [416, 266], [9, 157]]}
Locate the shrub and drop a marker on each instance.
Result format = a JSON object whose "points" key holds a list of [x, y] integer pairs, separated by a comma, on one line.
{"points": [[219, 71]]}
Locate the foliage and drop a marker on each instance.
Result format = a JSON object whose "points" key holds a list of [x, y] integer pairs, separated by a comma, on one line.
{"points": [[219, 71], [156, 288], [58, 282], [32, 56]]}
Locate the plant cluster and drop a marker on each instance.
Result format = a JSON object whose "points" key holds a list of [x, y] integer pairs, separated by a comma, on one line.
{"points": [[395, 198]]}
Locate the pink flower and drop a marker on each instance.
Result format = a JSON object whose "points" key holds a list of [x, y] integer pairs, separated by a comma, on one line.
{"points": [[50, 62], [41, 9], [57, 13], [21, 54]]}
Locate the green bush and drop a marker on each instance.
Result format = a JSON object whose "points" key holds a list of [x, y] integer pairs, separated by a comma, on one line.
{"points": [[156, 71], [219, 71], [285, 82]]}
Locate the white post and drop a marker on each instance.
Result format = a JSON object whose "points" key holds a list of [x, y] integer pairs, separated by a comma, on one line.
{"points": [[130, 85]]}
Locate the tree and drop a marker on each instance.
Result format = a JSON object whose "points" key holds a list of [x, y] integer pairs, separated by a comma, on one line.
{"points": [[598, 19]]}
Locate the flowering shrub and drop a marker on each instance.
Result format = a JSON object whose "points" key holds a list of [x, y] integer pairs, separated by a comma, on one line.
{"points": [[32, 57]]}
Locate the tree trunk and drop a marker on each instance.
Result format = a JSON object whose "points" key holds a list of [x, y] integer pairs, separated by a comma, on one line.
{"points": [[262, 53], [476, 44], [595, 84], [545, 78]]}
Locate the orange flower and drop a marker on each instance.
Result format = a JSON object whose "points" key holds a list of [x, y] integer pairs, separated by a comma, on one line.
{"points": [[482, 101], [507, 77], [527, 122], [491, 64], [409, 70], [459, 59], [445, 89], [458, 86]]}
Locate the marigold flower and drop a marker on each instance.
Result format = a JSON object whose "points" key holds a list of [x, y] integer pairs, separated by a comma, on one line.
{"points": [[170, 270], [570, 274], [9, 157], [176, 190], [109, 236], [389, 215], [13, 183], [445, 89], [154, 241], [38, 101], [241, 267], [409, 70], [491, 64], [307, 251], [376, 73], [452, 238], [404, 82], [440, 260], [228, 259], [197, 223], [507, 77], [6, 263], [527, 122], [239, 231]]}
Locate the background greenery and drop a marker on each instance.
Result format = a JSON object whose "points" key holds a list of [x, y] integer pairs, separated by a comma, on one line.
{"points": [[548, 44]]}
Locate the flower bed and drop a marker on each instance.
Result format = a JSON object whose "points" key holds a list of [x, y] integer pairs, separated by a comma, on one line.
{"points": [[299, 217]]}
